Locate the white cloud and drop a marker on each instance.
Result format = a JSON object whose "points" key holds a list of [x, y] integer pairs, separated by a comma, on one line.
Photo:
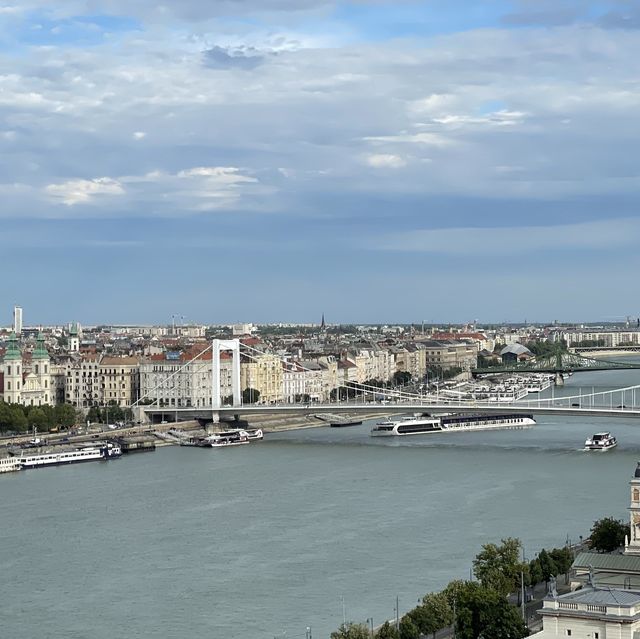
{"points": [[139, 135], [199, 188], [385, 161], [84, 191]]}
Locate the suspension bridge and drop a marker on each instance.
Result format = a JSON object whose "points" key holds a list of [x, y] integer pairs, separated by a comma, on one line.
{"points": [[370, 400]]}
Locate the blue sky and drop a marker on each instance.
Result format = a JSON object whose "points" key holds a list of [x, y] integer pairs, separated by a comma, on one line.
{"points": [[271, 160]]}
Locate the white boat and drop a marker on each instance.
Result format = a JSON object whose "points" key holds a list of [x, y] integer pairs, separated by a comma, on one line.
{"points": [[9, 464], [255, 433], [601, 441], [39, 459], [450, 423], [234, 437]]}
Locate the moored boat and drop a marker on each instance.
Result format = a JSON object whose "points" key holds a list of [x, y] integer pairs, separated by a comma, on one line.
{"points": [[234, 437], [601, 441], [9, 464], [57, 457]]}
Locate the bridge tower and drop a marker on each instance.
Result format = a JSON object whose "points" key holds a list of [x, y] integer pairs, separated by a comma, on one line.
{"points": [[632, 545], [219, 345]]}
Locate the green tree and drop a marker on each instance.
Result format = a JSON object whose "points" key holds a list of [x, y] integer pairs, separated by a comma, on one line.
{"points": [[498, 567], [408, 629], [484, 612], [19, 421], [535, 571], [547, 565], [562, 558], [400, 378], [351, 630], [37, 418], [434, 613], [387, 631], [65, 415], [608, 534], [250, 395], [93, 415]]}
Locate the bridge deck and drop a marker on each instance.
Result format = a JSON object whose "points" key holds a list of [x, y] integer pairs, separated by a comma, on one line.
{"points": [[396, 408]]}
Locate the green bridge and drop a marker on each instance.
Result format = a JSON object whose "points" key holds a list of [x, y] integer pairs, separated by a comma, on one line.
{"points": [[561, 362]]}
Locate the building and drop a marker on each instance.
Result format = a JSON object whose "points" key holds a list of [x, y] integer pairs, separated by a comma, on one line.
{"points": [[120, 380], [17, 320], [83, 386], [448, 354], [264, 374], [593, 612], [615, 570], [36, 383], [515, 353], [183, 378], [26, 378]]}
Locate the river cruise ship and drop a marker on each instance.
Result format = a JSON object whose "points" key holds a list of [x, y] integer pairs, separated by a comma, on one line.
{"points": [[9, 464], [452, 422], [601, 441], [39, 459]]}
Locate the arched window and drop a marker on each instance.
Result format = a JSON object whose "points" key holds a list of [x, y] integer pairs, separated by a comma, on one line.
{"points": [[636, 494]]}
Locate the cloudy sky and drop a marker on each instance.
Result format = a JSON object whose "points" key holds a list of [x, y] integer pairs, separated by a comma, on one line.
{"points": [[270, 160]]}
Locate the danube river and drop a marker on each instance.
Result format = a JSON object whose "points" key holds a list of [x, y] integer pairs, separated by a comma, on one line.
{"points": [[262, 541]]}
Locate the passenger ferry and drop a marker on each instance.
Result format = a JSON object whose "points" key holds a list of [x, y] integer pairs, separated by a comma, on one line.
{"points": [[601, 441], [449, 422], [33, 459], [234, 437]]}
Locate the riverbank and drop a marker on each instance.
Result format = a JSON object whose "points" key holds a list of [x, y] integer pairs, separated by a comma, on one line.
{"points": [[611, 353]]}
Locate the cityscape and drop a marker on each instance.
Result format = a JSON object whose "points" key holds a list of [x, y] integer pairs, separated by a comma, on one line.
{"points": [[317, 319]]}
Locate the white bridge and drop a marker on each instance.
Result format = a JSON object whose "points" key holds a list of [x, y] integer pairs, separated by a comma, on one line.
{"points": [[620, 402]]}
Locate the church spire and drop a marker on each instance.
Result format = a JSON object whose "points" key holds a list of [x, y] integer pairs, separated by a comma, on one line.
{"points": [[322, 324], [12, 352]]}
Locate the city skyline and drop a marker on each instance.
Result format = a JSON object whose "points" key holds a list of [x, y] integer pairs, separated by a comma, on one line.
{"points": [[269, 161]]}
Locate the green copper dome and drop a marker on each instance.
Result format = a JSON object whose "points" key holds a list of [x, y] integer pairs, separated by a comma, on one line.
{"points": [[12, 352], [40, 351]]}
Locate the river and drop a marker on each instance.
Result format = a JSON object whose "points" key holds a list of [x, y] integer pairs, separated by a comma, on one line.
{"points": [[268, 539]]}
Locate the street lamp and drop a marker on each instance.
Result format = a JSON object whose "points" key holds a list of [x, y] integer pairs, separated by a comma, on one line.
{"points": [[370, 622]]}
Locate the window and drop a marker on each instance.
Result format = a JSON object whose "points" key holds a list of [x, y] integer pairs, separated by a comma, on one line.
{"points": [[596, 635], [568, 632]]}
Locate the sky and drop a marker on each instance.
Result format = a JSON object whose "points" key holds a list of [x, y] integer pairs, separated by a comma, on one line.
{"points": [[273, 160]]}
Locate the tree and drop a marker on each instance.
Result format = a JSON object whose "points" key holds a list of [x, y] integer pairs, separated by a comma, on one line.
{"points": [[37, 418], [93, 415], [301, 398], [484, 612], [535, 571], [387, 631], [408, 629], [18, 418], [562, 558], [498, 567], [250, 395], [64, 415], [547, 565], [608, 534], [400, 378], [434, 613], [351, 630]]}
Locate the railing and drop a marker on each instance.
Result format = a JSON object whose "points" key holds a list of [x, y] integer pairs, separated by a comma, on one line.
{"points": [[594, 608]]}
